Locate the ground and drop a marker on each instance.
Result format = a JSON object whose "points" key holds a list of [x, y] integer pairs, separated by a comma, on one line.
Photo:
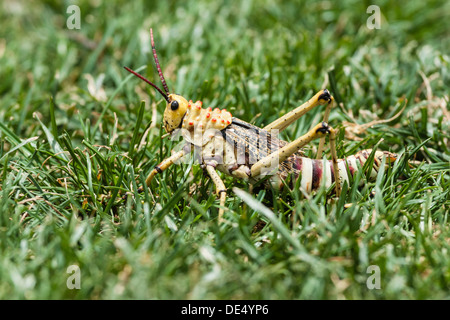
{"points": [[75, 135]]}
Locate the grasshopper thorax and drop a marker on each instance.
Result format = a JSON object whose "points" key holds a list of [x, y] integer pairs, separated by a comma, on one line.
{"points": [[180, 113]]}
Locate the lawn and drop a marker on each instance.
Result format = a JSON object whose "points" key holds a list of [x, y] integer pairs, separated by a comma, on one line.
{"points": [[77, 132]]}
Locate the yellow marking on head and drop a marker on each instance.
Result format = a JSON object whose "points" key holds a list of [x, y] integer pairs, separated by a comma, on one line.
{"points": [[174, 113]]}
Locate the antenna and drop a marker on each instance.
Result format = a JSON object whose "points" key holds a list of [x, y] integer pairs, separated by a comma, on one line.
{"points": [[150, 83], [155, 56]]}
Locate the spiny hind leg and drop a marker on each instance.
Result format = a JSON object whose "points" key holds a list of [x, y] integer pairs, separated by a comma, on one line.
{"points": [[320, 98], [325, 119], [334, 160], [269, 164]]}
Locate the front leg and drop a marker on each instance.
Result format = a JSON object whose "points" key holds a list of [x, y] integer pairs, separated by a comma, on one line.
{"points": [[159, 169], [166, 163]]}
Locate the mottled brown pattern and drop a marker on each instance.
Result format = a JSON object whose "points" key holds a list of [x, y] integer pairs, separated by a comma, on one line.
{"points": [[247, 137]]}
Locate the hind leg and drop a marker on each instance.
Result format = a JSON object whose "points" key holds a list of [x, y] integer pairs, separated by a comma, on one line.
{"points": [[270, 164], [320, 98]]}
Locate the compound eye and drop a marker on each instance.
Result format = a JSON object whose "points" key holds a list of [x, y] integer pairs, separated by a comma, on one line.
{"points": [[174, 105]]}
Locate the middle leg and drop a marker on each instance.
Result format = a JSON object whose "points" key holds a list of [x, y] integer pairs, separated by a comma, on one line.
{"points": [[220, 189]]}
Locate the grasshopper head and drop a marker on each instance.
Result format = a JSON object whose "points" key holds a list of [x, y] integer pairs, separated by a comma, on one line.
{"points": [[175, 110], [176, 105]]}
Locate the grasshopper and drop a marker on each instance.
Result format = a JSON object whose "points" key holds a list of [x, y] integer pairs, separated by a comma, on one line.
{"points": [[237, 148]]}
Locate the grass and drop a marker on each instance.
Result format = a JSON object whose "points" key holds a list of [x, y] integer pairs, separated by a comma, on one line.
{"points": [[76, 132]]}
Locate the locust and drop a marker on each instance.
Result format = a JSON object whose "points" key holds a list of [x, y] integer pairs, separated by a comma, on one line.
{"points": [[227, 144]]}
